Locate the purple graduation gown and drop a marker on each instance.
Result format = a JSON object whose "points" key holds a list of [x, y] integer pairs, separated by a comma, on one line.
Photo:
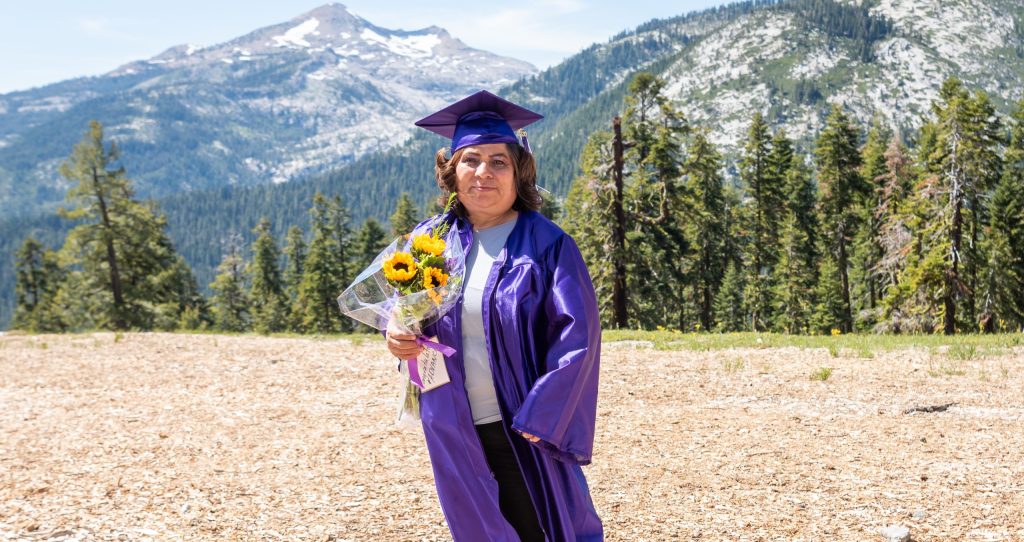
{"points": [[543, 335]]}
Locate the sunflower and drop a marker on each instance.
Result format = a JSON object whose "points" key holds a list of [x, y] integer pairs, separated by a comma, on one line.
{"points": [[428, 244], [433, 277], [400, 267]]}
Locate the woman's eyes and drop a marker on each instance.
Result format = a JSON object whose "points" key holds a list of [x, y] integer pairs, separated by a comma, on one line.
{"points": [[475, 162]]}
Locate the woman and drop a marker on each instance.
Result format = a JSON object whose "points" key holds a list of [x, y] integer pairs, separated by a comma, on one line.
{"points": [[508, 435]]}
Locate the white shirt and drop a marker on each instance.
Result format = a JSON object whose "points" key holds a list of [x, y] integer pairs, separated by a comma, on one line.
{"points": [[487, 246]]}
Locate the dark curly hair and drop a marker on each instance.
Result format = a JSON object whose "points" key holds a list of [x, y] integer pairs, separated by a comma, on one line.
{"points": [[524, 168]]}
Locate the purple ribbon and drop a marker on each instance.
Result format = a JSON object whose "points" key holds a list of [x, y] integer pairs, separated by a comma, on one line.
{"points": [[414, 370]]}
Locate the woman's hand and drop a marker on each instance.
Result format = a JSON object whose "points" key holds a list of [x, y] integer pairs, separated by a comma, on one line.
{"points": [[401, 343], [530, 437]]}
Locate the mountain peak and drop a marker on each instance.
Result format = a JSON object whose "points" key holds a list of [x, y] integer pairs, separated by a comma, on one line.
{"points": [[332, 11]]}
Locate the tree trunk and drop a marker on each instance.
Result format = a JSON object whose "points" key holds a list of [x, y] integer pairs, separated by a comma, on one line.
{"points": [[844, 279], [108, 239], [952, 274], [619, 233]]}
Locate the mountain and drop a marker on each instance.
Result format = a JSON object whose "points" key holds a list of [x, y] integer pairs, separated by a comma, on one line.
{"points": [[279, 103], [789, 60]]}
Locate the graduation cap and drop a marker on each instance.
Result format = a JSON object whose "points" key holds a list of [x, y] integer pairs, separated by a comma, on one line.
{"points": [[479, 119]]}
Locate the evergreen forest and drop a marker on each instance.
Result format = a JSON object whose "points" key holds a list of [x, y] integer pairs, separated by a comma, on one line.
{"points": [[868, 231]]}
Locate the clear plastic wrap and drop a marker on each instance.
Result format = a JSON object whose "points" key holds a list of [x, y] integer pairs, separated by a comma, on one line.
{"points": [[415, 280], [374, 300]]}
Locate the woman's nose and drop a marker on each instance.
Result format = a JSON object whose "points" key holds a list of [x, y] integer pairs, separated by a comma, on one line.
{"points": [[483, 170]]}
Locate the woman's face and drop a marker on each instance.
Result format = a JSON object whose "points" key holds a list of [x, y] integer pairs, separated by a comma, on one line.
{"points": [[485, 181]]}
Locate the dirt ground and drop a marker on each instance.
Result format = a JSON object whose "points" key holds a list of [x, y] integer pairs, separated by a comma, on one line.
{"points": [[207, 437]]}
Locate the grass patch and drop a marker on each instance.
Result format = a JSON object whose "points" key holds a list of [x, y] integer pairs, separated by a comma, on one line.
{"points": [[864, 345], [733, 365], [946, 368], [821, 374], [962, 352]]}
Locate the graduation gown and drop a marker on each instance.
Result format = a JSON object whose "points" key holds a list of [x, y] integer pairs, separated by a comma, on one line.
{"points": [[543, 337]]}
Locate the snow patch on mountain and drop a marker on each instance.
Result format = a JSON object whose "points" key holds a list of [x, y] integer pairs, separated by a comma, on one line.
{"points": [[414, 46], [294, 37]]}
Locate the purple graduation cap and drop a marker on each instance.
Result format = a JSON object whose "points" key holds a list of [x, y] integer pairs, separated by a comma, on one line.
{"points": [[479, 119]]}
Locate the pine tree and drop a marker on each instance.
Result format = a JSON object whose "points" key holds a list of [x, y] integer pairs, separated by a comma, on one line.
{"points": [[324, 276], [968, 135], [434, 206], [77, 304], [588, 216], [1002, 306], [295, 252], [266, 286], [895, 238], [37, 279], [643, 100], [798, 265], [626, 210], [231, 306], [185, 307], [369, 240], [868, 252], [342, 232], [763, 212], [913, 302], [707, 228], [551, 205], [832, 309], [965, 157], [894, 235], [840, 186], [122, 244], [730, 303], [655, 206], [405, 218]]}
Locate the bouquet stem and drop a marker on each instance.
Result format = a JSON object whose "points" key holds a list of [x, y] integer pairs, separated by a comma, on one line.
{"points": [[409, 405]]}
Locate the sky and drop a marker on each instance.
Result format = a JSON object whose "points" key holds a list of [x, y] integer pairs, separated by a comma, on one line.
{"points": [[45, 41]]}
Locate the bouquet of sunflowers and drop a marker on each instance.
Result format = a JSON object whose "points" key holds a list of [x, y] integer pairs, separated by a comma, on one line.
{"points": [[414, 281]]}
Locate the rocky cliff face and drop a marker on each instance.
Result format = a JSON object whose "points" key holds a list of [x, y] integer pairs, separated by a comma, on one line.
{"points": [[779, 62]]}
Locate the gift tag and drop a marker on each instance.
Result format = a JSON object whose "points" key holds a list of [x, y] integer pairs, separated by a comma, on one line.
{"points": [[433, 372]]}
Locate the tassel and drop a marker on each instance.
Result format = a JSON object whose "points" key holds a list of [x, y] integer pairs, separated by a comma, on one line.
{"points": [[525, 142]]}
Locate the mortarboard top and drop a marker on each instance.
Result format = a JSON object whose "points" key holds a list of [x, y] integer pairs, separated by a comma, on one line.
{"points": [[478, 119]]}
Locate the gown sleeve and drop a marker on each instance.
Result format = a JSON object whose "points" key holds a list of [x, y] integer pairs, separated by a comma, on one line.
{"points": [[561, 407]]}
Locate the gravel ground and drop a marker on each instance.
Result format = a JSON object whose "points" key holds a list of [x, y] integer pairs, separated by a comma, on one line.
{"points": [[207, 437]]}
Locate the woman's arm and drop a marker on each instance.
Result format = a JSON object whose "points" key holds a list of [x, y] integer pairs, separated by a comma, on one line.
{"points": [[561, 408]]}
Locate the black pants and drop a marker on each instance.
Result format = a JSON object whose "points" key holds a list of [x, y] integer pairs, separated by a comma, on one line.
{"points": [[513, 497]]}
